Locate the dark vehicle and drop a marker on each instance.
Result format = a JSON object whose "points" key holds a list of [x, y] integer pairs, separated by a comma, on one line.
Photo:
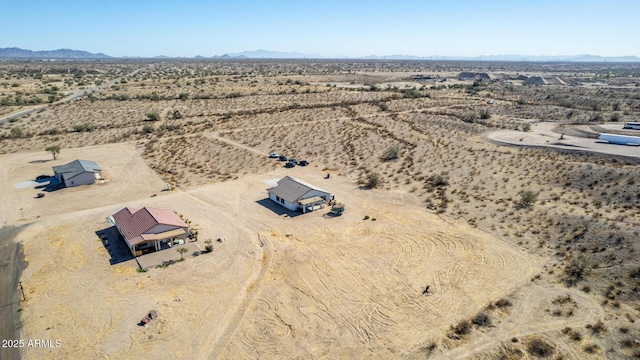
{"points": [[289, 165], [42, 177], [293, 160], [282, 158], [303, 163]]}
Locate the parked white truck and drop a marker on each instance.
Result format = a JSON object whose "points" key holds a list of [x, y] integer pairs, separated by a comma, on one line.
{"points": [[620, 139]]}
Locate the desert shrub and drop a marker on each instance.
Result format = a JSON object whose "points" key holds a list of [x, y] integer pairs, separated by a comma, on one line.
{"points": [[526, 127], [597, 328], [539, 348], [485, 114], [469, 117], [462, 328], [411, 93], [502, 303], [153, 116], [428, 349], [183, 96], [615, 117], [591, 348], [596, 118], [233, 95], [52, 131], [383, 106], [576, 270], [527, 198], [208, 247], [481, 319], [148, 129], [373, 180], [82, 128], [17, 132], [439, 180], [391, 153]]}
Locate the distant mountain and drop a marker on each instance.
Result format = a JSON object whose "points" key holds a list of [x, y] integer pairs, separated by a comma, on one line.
{"points": [[50, 54], [575, 58], [533, 58], [267, 54]]}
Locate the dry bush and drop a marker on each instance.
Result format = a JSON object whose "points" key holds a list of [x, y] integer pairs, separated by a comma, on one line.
{"points": [[539, 348]]}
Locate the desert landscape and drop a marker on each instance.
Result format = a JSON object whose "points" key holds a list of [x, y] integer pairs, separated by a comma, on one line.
{"points": [[483, 217]]}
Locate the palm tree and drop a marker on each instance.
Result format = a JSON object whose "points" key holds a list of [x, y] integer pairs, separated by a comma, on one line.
{"points": [[182, 250]]}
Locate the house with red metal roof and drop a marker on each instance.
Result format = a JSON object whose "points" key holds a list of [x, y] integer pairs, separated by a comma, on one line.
{"points": [[149, 229]]}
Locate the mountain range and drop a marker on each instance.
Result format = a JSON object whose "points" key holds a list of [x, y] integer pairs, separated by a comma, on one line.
{"points": [[13, 52]]}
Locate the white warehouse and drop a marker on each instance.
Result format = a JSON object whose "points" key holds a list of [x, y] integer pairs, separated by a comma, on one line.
{"points": [[620, 139], [295, 194]]}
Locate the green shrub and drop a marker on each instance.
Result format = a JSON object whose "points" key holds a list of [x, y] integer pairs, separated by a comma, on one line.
{"points": [[391, 153], [17, 132], [153, 116], [373, 180], [528, 198]]}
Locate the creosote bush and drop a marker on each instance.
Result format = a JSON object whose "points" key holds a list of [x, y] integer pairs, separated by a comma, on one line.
{"points": [[391, 153], [373, 180], [528, 198]]}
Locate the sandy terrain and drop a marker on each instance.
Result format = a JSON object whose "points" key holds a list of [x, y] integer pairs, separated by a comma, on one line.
{"points": [[127, 176], [312, 284], [509, 278]]}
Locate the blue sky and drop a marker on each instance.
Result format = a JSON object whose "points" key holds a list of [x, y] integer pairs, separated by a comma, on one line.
{"points": [[328, 28]]}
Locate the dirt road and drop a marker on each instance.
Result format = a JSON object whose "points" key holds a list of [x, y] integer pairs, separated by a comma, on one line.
{"points": [[11, 266]]}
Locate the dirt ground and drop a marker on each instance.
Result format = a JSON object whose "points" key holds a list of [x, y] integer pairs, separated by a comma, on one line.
{"points": [[126, 176], [528, 251], [276, 286]]}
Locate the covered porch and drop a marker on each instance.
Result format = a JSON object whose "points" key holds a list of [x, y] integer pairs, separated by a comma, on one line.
{"points": [[160, 241], [312, 203]]}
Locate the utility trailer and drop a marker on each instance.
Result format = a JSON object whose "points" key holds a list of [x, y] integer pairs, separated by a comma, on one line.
{"points": [[632, 125], [620, 139]]}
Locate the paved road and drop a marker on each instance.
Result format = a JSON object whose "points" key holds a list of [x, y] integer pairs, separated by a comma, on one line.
{"points": [[75, 94], [542, 134]]}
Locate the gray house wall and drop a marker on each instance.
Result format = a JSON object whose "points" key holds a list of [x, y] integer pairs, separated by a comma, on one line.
{"points": [[86, 178]]}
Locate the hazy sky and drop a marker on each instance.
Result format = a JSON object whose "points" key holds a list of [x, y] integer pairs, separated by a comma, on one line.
{"points": [[328, 28]]}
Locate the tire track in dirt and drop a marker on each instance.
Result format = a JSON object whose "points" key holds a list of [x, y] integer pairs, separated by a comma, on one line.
{"points": [[223, 340]]}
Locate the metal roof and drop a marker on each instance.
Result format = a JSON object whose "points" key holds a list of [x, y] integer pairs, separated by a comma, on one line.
{"points": [[291, 189], [133, 223], [76, 168]]}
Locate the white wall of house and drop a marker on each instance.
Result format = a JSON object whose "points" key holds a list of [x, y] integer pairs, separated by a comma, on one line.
{"points": [[294, 206], [85, 178], [284, 203]]}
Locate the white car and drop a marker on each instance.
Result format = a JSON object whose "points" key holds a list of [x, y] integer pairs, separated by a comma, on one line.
{"points": [[273, 155]]}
